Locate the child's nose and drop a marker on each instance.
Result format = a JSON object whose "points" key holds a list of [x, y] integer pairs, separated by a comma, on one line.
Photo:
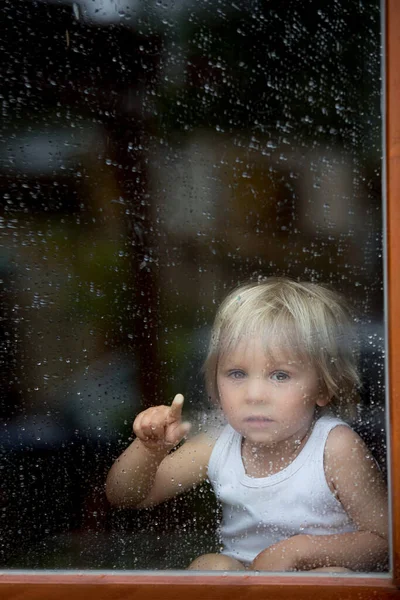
{"points": [[256, 391]]}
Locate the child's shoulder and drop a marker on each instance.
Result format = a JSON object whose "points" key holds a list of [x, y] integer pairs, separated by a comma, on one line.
{"points": [[343, 440], [338, 436], [354, 478], [346, 454]]}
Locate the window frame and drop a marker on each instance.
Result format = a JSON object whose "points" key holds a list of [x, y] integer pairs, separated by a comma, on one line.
{"points": [[92, 585]]}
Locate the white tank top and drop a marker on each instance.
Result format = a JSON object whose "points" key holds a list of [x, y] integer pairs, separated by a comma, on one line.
{"points": [[259, 512]]}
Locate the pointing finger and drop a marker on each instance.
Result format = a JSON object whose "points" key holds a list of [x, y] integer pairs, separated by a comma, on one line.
{"points": [[175, 411]]}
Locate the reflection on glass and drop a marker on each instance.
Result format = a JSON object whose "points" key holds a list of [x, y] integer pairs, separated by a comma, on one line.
{"points": [[155, 156]]}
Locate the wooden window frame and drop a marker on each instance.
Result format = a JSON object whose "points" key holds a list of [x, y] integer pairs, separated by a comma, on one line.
{"points": [[89, 585]]}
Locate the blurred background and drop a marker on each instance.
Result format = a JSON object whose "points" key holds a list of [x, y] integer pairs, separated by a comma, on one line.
{"points": [[154, 154]]}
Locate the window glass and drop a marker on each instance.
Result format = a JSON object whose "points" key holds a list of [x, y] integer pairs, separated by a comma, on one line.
{"points": [[155, 155]]}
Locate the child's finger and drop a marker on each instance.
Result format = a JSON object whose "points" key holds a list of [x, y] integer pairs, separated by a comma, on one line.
{"points": [[137, 424], [139, 429], [175, 412], [153, 428], [176, 434], [185, 428], [145, 427]]}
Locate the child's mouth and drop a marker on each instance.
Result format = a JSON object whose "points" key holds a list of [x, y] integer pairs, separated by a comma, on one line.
{"points": [[258, 420]]}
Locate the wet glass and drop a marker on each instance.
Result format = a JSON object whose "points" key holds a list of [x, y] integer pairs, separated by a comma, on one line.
{"points": [[153, 156]]}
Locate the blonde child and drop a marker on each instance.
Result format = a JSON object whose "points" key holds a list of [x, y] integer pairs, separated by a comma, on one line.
{"points": [[298, 487]]}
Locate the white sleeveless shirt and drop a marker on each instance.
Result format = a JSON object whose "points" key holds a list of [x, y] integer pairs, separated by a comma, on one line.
{"points": [[259, 512]]}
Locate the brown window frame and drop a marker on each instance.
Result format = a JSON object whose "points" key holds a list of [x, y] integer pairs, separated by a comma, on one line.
{"points": [[38, 585]]}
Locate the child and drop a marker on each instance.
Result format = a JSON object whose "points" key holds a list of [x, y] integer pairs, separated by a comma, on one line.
{"points": [[299, 489]]}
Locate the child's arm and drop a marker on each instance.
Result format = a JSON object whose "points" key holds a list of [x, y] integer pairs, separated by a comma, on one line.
{"points": [[146, 474], [359, 486]]}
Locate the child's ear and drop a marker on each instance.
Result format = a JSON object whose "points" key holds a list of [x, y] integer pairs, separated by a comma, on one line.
{"points": [[323, 396], [323, 400]]}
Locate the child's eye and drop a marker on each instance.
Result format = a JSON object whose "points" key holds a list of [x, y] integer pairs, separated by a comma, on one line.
{"points": [[280, 376], [236, 374]]}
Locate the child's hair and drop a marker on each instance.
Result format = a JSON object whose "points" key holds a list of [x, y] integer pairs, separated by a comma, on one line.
{"points": [[306, 320]]}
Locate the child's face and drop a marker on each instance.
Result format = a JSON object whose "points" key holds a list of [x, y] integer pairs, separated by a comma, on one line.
{"points": [[268, 398]]}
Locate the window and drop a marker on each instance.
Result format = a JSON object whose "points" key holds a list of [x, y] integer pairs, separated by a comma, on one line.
{"points": [[95, 236]]}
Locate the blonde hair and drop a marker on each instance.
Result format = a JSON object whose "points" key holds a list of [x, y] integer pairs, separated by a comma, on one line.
{"points": [[302, 318]]}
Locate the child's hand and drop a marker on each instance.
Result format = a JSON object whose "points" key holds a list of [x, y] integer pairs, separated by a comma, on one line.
{"points": [[304, 552], [161, 427], [287, 555]]}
